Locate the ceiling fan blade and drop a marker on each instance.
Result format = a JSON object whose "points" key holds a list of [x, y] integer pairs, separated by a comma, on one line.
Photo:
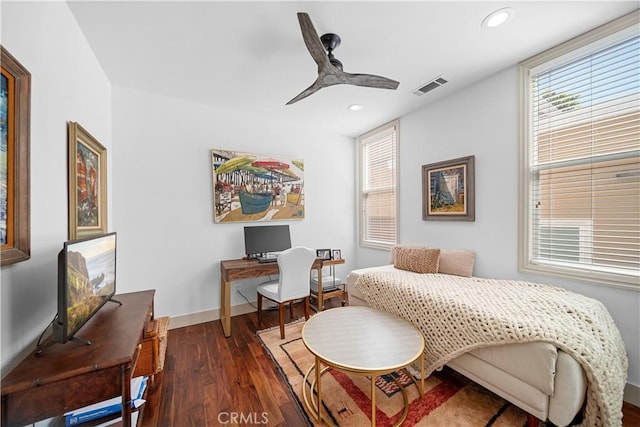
{"points": [[369, 80], [316, 86], [312, 40]]}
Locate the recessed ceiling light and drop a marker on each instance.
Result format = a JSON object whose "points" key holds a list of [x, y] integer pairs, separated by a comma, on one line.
{"points": [[355, 107], [497, 17]]}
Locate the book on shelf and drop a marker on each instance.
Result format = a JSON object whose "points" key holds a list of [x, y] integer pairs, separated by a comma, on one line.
{"points": [[109, 406], [134, 420]]}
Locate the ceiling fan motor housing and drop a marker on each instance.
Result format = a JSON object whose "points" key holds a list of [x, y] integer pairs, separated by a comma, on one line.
{"points": [[331, 41]]}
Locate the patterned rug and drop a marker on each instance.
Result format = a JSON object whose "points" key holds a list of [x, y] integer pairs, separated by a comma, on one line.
{"points": [[450, 399]]}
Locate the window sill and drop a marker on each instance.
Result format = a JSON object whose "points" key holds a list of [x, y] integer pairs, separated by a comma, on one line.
{"points": [[601, 278]]}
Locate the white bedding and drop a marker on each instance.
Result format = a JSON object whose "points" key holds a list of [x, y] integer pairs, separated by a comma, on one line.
{"points": [[459, 314]]}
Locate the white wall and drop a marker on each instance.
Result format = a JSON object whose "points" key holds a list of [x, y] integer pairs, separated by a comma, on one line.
{"points": [[67, 84], [167, 239], [482, 120]]}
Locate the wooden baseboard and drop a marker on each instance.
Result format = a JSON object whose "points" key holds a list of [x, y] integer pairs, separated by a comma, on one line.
{"points": [[207, 316]]}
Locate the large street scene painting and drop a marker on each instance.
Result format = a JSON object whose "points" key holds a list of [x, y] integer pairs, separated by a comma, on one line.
{"points": [[254, 187]]}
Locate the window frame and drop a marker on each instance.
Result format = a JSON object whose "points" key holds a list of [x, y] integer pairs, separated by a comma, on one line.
{"points": [[365, 240], [577, 47]]}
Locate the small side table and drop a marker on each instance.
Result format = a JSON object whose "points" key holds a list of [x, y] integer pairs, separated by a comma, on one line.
{"points": [[341, 338], [320, 296]]}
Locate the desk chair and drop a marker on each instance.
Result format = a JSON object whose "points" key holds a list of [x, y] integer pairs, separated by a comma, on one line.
{"points": [[293, 283]]}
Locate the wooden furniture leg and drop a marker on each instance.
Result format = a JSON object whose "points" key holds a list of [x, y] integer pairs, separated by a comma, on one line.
{"points": [[259, 302], [532, 421], [125, 378], [345, 295], [281, 307], [225, 307], [320, 291], [306, 307]]}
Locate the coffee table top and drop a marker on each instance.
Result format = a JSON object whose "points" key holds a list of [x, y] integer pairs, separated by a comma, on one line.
{"points": [[362, 339]]}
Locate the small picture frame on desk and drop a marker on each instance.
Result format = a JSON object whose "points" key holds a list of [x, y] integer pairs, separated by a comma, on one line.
{"points": [[323, 254], [336, 254]]}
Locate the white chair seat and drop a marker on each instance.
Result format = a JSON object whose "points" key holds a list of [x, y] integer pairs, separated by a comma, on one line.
{"points": [[269, 290]]}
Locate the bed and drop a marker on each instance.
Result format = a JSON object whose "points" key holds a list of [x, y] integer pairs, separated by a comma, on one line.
{"points": [[553, 353]]}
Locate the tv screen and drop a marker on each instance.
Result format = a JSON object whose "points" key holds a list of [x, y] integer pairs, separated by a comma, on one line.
{"points": [[86, 281], [262, 239]]}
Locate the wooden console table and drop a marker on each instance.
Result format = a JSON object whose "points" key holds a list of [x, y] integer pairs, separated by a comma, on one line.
{"points": [[68, 376], [235, 269]]}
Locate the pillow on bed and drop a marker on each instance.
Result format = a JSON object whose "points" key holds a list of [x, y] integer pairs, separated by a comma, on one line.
{"points": [[417, 259], [457, 262], [392, 253]]}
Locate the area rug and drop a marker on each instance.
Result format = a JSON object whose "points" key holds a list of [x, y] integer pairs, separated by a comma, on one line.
{"points": [[450, 399]]}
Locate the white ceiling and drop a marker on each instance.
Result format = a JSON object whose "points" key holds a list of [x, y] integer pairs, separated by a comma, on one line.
{"points": [[250, 56]]}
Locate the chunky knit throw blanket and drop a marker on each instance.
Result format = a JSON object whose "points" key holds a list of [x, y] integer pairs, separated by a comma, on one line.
{"points": [[459, 314]]}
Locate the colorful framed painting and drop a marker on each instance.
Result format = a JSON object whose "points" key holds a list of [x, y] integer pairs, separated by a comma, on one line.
{"points": [[448, 190], [254, 187], [15, 112], [87, 184]]}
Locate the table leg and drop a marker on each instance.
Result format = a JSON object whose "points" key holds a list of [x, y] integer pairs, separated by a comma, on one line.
{"points": [[125, 378], [225, 306], [320, 291], [373, 400], [4, 419], [422, 375], [318, 387]]}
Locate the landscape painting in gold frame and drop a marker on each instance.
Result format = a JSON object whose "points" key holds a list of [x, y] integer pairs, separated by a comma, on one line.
{"points": [[15, 112], [448, 190], [87, 184]]}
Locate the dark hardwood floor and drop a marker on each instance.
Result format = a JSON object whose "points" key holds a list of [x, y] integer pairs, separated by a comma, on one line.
{"points": [[209, 379]]}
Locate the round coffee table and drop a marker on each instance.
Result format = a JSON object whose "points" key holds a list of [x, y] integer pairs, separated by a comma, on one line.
{"points": [[361, 341]]}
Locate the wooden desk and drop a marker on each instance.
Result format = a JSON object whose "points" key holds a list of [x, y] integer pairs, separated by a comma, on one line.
{"points": [[68, 376], [235, 269]]}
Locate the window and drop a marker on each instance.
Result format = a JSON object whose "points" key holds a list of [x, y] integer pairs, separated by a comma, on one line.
{"points": [[378, 186], [580, 170]]}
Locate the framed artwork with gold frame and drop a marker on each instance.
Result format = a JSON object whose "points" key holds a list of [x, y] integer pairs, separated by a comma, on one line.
{"points": [[448, 190], [15, 112], [87, 184]]}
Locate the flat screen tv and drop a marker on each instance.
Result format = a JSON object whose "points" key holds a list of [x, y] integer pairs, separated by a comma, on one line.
{"points": [[263, 239], [86, 281]]}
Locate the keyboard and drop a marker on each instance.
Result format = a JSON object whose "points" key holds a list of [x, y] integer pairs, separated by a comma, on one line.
{"points": [[266, 259]]}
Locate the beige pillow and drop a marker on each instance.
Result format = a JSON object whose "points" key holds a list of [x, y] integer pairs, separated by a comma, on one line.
{"points": [[417, 259], [457, 262], [392, 253]]}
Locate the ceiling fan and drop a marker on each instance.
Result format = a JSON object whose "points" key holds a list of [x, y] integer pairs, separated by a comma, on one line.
{"points": [[329, 68]]}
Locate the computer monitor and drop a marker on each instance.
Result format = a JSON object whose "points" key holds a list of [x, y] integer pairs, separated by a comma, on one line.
{"points": [[262, 239]]}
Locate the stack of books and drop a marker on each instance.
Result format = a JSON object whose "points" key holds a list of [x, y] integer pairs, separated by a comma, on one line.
{"points": [[107, 407]]}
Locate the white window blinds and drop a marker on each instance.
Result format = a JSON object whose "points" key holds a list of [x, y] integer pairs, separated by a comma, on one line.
{"points": [[378, 197], [583, 163]]}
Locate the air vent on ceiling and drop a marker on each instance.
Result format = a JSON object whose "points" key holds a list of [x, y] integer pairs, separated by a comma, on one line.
{"points": [[429, 86]]}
